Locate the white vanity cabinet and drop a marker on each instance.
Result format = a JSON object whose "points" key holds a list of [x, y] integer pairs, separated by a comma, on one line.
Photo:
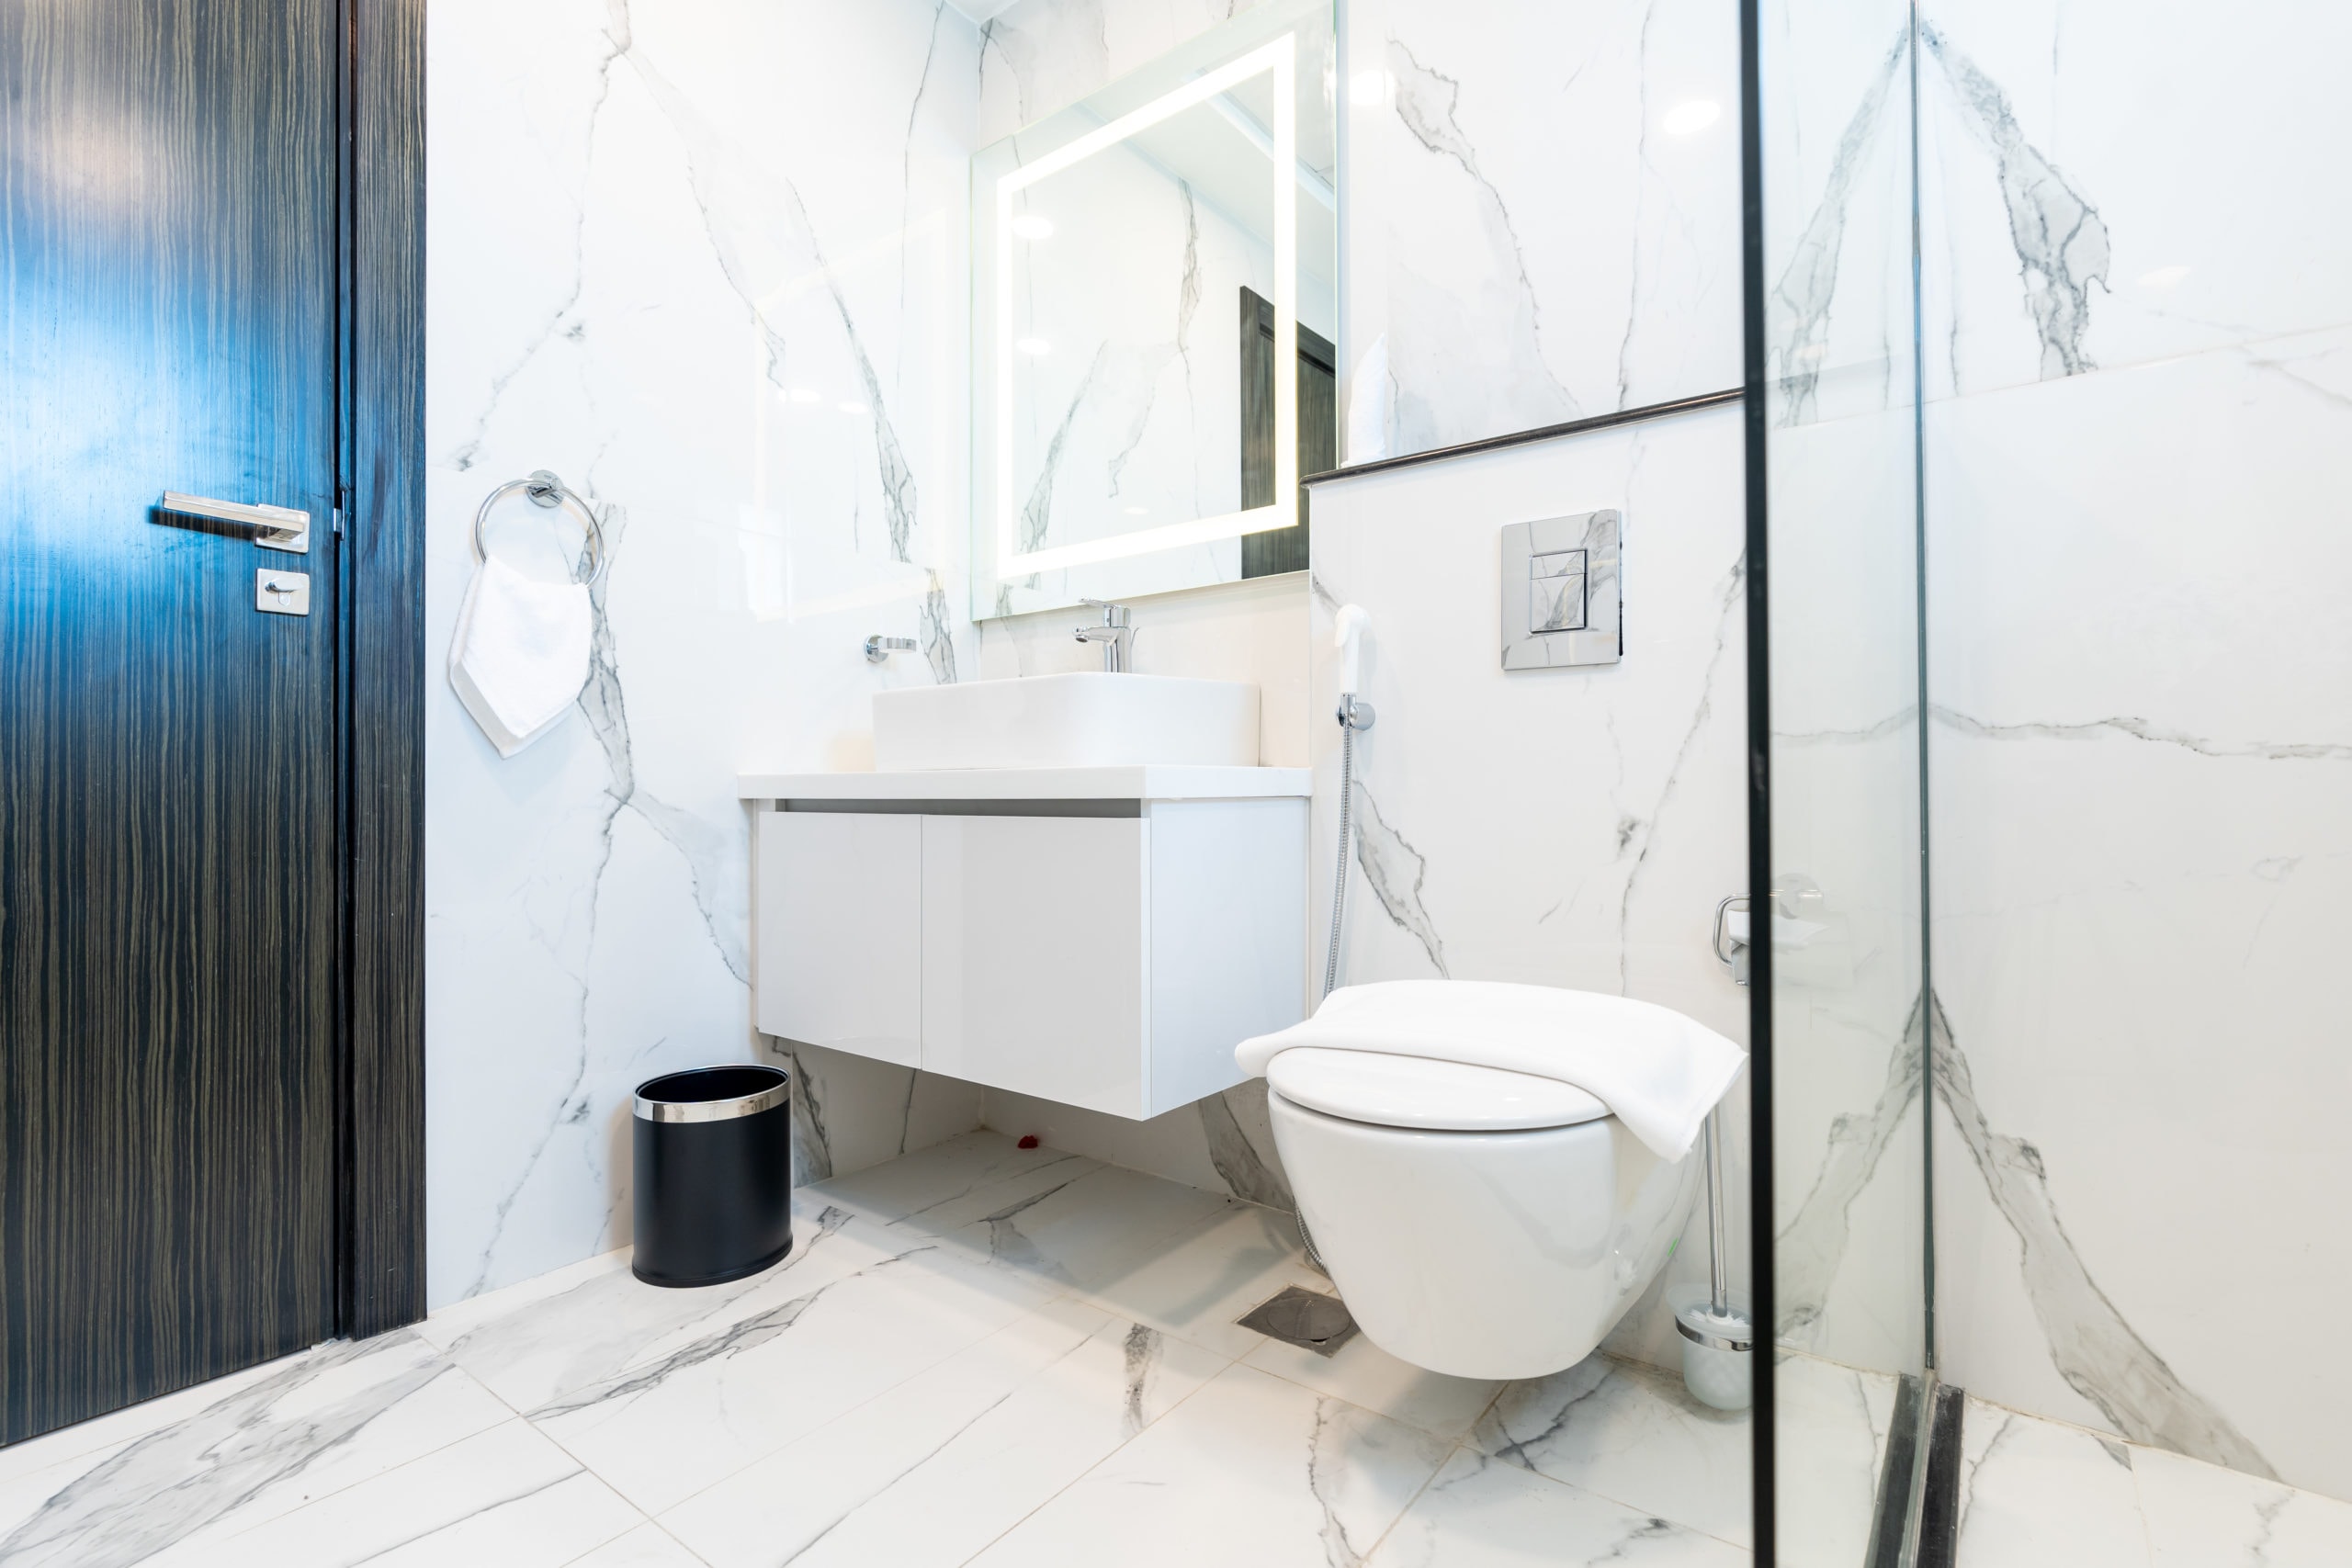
{"points": [[1031, 932]]}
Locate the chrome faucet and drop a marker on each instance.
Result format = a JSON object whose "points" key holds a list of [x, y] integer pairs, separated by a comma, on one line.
{"points": [[1116, 634]]}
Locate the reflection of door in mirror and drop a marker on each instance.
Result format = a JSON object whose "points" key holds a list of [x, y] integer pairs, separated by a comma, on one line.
{"points": [[1282, 549]]}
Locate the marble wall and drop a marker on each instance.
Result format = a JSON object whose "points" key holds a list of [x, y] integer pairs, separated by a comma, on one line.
{"points": [[2140, 382], [706, 260], [2137, 377], [1543, 214]]}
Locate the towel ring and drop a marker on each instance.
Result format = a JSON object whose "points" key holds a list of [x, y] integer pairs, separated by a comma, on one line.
{"points": [[546, 489]]}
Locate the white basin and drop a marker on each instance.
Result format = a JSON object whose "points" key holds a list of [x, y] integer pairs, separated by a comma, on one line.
{"points": [[1080, 720]]}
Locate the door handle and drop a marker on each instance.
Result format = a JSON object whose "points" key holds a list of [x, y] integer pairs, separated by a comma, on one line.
{"points": [[275, 527]]}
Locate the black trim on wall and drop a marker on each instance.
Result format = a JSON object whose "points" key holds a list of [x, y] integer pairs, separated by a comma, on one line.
{"points": [[382, 558], [1760, 778], [1541, 432]]}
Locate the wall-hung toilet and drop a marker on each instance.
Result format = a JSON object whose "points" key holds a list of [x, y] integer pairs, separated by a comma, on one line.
{"points": [[1477, 1222]]}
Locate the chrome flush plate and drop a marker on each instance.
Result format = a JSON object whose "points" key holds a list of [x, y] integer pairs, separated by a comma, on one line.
{"points": [[1562, 602]]}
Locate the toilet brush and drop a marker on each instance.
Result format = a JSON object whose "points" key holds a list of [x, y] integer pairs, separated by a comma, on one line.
{"points": [[1718, 1334]]}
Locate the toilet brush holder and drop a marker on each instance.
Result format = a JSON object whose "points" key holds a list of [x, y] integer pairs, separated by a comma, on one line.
{"points": [[1717, 1323], [1718, 1345]]}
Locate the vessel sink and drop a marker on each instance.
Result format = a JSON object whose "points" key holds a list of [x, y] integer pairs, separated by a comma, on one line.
{"points": [[1078, 720]]}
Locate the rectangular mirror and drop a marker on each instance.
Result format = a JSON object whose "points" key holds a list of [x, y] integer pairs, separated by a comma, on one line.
{"points": [[1143, 261]]}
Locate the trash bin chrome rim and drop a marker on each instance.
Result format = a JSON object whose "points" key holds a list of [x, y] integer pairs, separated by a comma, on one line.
{"points": [[768, 1099]]}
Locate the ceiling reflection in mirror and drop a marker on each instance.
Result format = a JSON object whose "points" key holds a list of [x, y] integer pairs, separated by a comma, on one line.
{"points": [[1143, 261]]}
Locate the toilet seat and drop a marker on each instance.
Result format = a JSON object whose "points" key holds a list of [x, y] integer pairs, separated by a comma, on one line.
{"points": [[1418, 1092]]}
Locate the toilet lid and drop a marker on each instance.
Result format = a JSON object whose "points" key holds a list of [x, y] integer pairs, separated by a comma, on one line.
{"points": [[1414, 1091]]}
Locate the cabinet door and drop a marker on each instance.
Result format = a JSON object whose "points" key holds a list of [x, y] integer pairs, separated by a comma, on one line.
{"points": [[839, 932], [1033, 973]]}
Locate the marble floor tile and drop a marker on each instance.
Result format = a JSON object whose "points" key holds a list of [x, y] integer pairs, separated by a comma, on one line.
{"points": [[2037, 1495], [507, 1496], [1630, 1434], [1362, 1374], [1831, 1428], [1088, 1231], [2200, 1514], [954, 1183], [1483, 1512], [648, 1546], [1203, 1279], [278, 1439], [547, 1344], [1252, 1469], [932, 1472], [664, 1428]]}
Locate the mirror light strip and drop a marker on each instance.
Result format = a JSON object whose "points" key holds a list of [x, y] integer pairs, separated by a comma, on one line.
{"points": [[1278, 59]]}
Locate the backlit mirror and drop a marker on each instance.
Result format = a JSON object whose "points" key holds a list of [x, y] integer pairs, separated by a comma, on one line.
{"points": [[1143, 260]]}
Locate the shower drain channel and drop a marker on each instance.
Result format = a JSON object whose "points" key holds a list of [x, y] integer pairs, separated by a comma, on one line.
{"points": [[1320, 1324]]}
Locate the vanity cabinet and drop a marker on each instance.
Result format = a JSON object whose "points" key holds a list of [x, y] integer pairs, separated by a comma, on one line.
{"points": [[1105, 952]]}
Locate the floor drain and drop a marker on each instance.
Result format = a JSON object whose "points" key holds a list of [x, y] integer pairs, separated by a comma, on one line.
{"points": [[1320, 1324]]}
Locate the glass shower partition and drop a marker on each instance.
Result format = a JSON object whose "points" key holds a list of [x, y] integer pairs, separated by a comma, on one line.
{"points": [[1851, 1325]]}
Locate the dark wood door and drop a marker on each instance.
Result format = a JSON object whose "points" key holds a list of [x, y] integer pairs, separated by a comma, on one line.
{"points": [[1282, 549], [168, 800]]}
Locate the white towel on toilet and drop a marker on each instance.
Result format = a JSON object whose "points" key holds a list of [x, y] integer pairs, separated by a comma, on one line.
{"points": [[1659, 1071], [521, 653]]}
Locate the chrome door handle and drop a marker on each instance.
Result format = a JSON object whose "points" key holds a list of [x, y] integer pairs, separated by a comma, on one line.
{"points": [[275, 527]]}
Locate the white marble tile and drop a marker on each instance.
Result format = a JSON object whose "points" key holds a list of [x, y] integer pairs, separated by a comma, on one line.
{"points": [[2034, 1492], [1603, 281], [954, 1182], [1632, 1434], [1830, 1432], [1482, 1513], [507, 1496], [933, 1471], [2137, 767], [673, 1424], [2075, 219], [1364, 1374], [648, 1546], [1250, 1469], [1203, 1279], [749, 224], [2199, 1513], [254, 1449], [548, 1346], [1085, 1233]]}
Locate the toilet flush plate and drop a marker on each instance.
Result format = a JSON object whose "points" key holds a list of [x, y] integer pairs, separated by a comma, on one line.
{"points": [[1562, 605]]}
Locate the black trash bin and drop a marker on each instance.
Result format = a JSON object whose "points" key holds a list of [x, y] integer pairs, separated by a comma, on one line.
{"points": [[714, 1174]]}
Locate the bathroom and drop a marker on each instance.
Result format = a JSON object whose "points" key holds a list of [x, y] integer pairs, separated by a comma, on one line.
{"points": [[1753, 465]]}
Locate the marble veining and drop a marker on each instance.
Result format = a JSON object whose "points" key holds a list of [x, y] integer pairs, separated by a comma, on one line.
{"points": [[727, 333], [2097, 1352], [1395, 871], [903, 1390], [2061, 243]]}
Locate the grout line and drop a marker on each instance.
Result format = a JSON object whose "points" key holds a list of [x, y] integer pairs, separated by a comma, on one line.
{"points": [[1410, 1503], [1107, 1457]]}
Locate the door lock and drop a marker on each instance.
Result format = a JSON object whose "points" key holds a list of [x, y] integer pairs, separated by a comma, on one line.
{"points": [[282, 592]]}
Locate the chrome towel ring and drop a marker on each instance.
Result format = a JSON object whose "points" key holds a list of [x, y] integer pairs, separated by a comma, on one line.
{"points": [[546, 489]]}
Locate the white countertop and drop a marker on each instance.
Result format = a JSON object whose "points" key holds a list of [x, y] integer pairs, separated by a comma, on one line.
{"points": [[1146, 782]]}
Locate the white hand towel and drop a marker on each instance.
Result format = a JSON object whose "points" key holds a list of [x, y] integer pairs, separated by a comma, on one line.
{"points": [[1659, 1071], [521, 653]]}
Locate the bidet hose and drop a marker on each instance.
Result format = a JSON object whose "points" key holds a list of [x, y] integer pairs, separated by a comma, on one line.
{"points": [[1347, 826]]}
